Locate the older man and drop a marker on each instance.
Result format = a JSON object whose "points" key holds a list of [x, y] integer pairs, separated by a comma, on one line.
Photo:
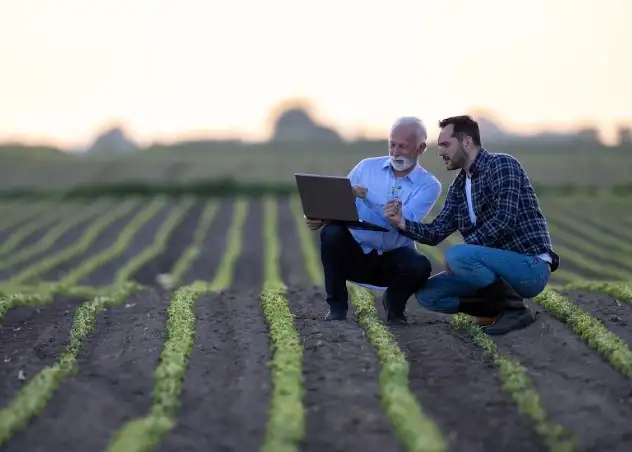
{"points": [[385, 259], [507, 253]]}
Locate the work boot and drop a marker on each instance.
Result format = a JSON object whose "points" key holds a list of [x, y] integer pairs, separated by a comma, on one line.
{"points": [[498, 308], [392, 315], [482, 310], [336, 314], [514, 315]]}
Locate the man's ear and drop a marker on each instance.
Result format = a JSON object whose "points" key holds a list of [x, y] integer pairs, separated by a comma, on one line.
{"points": [[422, 147]]}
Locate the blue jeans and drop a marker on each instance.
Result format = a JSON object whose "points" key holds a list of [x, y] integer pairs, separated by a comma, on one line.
{"points": [[473, 267]]}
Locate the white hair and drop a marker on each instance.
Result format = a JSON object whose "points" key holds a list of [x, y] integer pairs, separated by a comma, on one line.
{"points": [[420, 130]]}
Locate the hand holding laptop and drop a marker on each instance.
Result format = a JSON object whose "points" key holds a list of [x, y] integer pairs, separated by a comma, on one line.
{"points": [[314, 224], [359, 191]]}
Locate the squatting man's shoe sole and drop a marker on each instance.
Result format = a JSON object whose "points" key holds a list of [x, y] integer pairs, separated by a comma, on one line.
{"points": [[510, 321]]}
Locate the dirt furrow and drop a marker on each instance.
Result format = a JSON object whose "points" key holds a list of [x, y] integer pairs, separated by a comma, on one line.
{"points": [[615, 315], [340, 368], [32, 338], [214, 246], [182, 237], [459, 387], [102, 242], [6, 231], [66, 239], [227, 386], [249, 267], [143, 238], [34, 236], [293, 270], [113, 383], [578, 387], [341, 372]]}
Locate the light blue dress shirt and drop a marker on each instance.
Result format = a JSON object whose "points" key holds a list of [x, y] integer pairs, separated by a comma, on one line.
{"points": [[418, 191]]}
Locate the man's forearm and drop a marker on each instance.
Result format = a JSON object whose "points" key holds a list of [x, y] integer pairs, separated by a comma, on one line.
{"points": [[423, 233]]}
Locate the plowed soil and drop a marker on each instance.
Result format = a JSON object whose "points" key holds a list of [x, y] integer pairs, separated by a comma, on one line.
{"points": [[227, 387]]}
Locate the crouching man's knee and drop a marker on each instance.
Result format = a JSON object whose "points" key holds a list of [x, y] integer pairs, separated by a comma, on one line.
{"points": [[434, 300], [457, 256], [418, 267]]}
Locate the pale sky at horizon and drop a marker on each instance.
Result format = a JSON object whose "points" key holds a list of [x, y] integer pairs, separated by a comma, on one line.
{"points": [[169, 70]]}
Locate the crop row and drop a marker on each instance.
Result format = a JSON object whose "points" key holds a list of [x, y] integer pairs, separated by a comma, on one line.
{"points": [[416, 431], [16, 213], [35, 394], [512, 373], [590, 246], [286, 420]]}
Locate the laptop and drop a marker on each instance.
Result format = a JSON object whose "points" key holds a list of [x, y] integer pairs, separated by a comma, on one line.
{"points": [[331, 198]]}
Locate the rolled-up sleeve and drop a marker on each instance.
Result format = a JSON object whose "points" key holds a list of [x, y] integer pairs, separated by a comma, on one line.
{"points": [[436, 231]]}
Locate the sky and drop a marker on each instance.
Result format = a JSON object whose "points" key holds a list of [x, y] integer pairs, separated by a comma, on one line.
{"points": [[169, 70]]}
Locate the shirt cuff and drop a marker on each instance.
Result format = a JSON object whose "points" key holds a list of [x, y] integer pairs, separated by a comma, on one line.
{"points": [[407, 229]]}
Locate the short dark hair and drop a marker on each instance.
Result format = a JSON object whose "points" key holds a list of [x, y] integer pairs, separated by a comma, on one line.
{"points": [[464, 125]]}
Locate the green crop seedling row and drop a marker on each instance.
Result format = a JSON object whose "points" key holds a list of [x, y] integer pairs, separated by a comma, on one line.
{"points": [[597, 223], [518, 385], [27, 213], [581, 261], [18, 236], [412, 426], [157, 247], [141, 434], [311, 259], [53, 235], [123, 240], [12, 300], [574, 225], [515, 380], [193, 251], [619, 290], [76, 248], [33, 397], [591, 330], [43, 295], [224, 276], [286, 416], [595, 249]]}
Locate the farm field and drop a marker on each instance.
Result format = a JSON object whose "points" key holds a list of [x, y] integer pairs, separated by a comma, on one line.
{"points": [[188, 324], [557, 165]]}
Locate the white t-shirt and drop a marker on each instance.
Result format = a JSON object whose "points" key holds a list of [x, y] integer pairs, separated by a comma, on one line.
{"points": [[470, 208]]}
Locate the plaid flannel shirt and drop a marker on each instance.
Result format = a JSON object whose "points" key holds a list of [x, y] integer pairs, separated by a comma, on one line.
{"points": [[507, 210]]}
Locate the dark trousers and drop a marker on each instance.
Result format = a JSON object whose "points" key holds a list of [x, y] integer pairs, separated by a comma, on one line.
{"points": [[403, 271]]}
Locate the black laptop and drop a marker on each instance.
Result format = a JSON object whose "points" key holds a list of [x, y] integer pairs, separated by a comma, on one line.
{"points": [[331, 198]]}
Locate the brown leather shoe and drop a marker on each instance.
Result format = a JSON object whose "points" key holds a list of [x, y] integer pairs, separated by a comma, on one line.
{"points": [[487, 306], [513, 315]]}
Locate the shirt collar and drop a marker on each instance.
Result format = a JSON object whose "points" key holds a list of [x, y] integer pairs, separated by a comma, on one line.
{"points": [[412, 176], [479, 161]]}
